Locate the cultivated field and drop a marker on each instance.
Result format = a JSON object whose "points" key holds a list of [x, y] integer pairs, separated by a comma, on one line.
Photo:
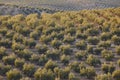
{"points": [[65, 4], [76, 45]]}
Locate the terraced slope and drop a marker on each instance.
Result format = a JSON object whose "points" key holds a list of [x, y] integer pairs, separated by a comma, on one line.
{"points": [[65, 4], [83, 45]]}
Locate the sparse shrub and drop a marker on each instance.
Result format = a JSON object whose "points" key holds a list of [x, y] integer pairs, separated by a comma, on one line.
{"points": [[3, 31], [26, 54], [75, 66], [89, 72], [116, 31], [29, 42], [14, 74], [34, 58], [25, 78], [81, 35], [7, 43], [116, 40], [93, 40], [105, 36], [56, 43], [80, 55], [116, 75], [105, 44], [107, 55], [41, 48], [17, 46], [97, 51], [65, 59], [92, 32], [108, 68], [10, 34], [92, 60], [72, 76], [45, 39], [42, 60], [19, 62], [4, 69], [64, 73], [66, 49], [68, 39], [9, 59], [34, 35], [81, 45], [104, 77], [50, 65], [90, 49], [118, 50], [44, 74], [29, 69], [2, 52], [118, 62], [53, 54]]}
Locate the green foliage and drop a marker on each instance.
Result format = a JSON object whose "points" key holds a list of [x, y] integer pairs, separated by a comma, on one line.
{"points": [[65, 59], [29, 69], [116, 40], [41, 48], [108, 55], [93, 40], [89, 72], [66, 49], [93, 61], [118, 50], [9, 59], [104, 77], [4, 69], [81, 45], [116, 74], [2, 52], [14, 74], [50, 65], [108, 68], [19, 63], [44, 74]]}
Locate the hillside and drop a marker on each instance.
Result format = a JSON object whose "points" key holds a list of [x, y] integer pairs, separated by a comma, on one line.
{"points": [[62, 5], [7, 9], [70, 45]]}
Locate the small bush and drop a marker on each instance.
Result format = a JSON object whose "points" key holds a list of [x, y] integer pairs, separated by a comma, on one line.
{"points": [[19, 62], [50, 65], [116, 75], [80, 55], [56, 43], [105, 36], [116, 40], [44, 74], [93, 61], [41, 48], [108, 55], [93, 40], [42, 60], [29, 69], [9, 59], [14, 74], [118, 50], [104, 77], [2, 52], [81, 45], [65, 59], [66, 49], [108, 68], [105, 44]]}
